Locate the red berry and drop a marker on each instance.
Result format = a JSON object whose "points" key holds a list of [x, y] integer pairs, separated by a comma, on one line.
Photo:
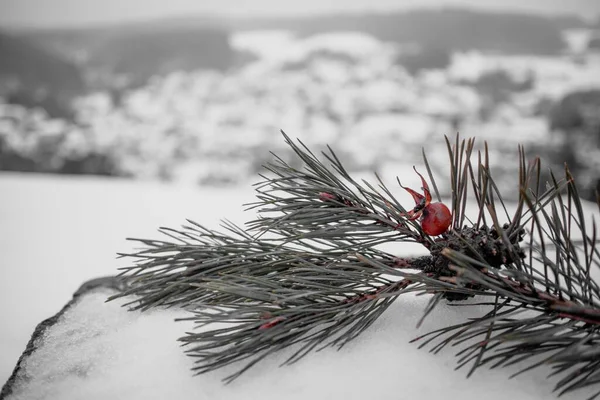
{"points": [[436, 219]]}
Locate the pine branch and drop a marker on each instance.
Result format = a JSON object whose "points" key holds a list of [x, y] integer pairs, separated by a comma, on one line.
{"points": [[309, 272]]}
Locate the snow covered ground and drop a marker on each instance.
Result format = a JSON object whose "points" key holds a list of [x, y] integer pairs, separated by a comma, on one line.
{"points": [[57, 232], [101, 351]]}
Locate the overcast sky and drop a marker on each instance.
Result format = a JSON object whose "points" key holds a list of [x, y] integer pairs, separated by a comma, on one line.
{"points": [[43, 13]]}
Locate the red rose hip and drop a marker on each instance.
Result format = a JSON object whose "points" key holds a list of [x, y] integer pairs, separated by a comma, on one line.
{"points": [[435, 217]]}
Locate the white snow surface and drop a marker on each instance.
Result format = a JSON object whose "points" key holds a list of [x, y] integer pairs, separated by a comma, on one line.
{"points": [[56, 233], [102, 351]]}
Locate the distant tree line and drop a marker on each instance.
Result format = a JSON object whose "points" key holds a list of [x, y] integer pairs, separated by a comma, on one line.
{"points": [[449, 29], [48, 69]]}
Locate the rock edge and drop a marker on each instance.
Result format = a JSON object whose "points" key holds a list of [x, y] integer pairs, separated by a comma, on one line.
{"points": [[110, 282]]}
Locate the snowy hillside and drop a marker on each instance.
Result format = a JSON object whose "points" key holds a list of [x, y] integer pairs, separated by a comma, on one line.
{"points": [[346, 89]]}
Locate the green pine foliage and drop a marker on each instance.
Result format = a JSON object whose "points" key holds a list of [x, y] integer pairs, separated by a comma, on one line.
{"points": [[309, 272]]}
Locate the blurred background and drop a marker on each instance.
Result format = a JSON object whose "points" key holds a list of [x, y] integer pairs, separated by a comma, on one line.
{"points": [[196, 92], [118, 116]]}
